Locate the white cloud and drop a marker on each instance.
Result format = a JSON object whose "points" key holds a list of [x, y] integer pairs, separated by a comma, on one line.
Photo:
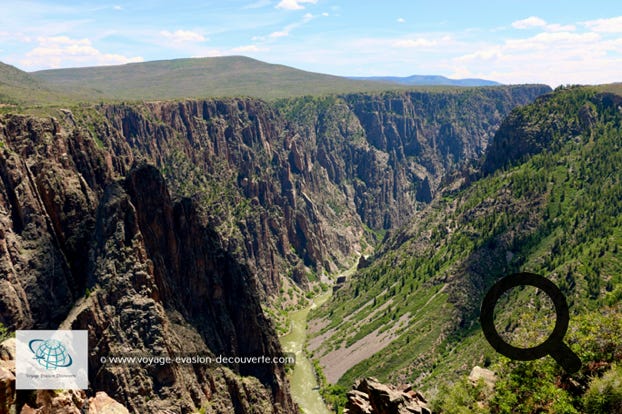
{"points": [[208, 53], [294, 4], [15, 37], [550, 57], [182, 36], [63, 51], [415, 43], [389, 48], [611, 25], [248, 49], [536, 22], [401, 20], [280, 33], [554, 27], [117, 7], [287, 29], [529, 22], [549, 40]]}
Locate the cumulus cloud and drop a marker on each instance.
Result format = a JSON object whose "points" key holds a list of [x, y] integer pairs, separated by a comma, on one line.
{"points": [[63, 51], [248, 49], [183, 36], [529, 22], [536, 22], [415, 43], [611, 25], [554, 27], [550, 57], [401, 20], [544, 41], [294, 4]]}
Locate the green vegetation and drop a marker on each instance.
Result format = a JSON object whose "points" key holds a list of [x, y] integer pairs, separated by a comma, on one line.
{"points": [[605, 394], [554, 209], [230, 76], [463, 397], [5, 333], [542, 386], [333, 395], [20, 88], [611, 87], [199, 78]]}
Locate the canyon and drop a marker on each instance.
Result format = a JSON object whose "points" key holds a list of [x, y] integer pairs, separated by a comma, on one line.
{"points": [[166, 226]]}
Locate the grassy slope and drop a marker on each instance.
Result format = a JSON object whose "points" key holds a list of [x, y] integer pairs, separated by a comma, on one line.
{"points": [[18, 87], [201, 77], [611, 87], [557, 213]]}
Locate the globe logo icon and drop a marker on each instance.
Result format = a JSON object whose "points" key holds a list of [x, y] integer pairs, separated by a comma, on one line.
{"points": [[50, 353]]}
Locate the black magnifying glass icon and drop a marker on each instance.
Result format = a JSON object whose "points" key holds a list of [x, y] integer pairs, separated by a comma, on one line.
{"points": [[553, 345]]}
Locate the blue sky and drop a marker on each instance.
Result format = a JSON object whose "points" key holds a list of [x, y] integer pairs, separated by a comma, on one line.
{"points": [[548, 41]]}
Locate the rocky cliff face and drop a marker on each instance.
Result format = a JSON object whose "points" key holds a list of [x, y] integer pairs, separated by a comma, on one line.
{"points": [[161, 284], [551, 206], [289, 186], [85, 249], [369, 396], [413, 140], [174, 257]]}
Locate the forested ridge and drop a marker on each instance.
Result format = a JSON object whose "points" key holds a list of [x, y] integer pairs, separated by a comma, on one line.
{"points": [[547, 200]]}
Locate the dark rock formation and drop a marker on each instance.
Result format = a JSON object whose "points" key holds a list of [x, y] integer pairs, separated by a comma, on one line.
{"points": [[292, 187], [175, 258], [417, 138], [85, 250], [369, 396], [161, 284]]}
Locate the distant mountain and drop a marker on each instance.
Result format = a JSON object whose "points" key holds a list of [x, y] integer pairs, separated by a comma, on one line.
{"points": [[427, 80], [17, 86], [201, 78], [226, 76]]}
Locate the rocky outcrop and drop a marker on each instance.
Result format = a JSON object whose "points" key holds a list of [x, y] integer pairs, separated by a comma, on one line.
{"points": [[369, 396], [487, 376], [50, 181], [160, 284], [72, 402], [103, 404], [7, 376], [85, 248], [7, 386], [234, 157]]}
